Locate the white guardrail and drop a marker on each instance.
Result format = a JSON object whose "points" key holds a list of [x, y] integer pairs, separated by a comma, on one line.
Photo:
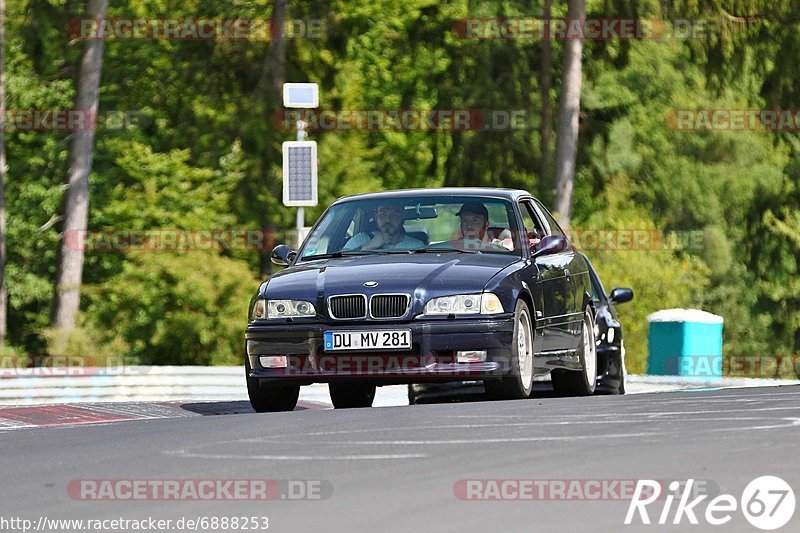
{"points": [[127, 383], [226, 383]]}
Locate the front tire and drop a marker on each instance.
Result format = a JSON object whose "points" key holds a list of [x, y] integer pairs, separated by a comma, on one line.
{"points": [[412, 394], [270, 397], [351, 395], [583, 382], [519, 383], [624, 377]]}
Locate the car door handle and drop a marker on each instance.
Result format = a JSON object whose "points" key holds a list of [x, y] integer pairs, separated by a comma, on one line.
{"points": [[567, 272]]}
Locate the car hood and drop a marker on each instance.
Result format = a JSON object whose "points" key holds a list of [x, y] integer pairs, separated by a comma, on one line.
{"points": [[425, 275]]}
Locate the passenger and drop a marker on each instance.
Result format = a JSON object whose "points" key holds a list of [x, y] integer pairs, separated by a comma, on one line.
{"points": [[475, 228]]}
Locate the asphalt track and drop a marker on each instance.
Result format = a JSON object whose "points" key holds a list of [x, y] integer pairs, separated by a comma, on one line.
{"points": [[399, 468]]}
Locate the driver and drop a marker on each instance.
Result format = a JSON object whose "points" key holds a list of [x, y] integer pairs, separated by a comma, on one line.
{"points": [[391, 235]]}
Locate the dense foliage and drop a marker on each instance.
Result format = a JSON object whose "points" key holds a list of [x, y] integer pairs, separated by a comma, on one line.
{"points": [[203, 152]]}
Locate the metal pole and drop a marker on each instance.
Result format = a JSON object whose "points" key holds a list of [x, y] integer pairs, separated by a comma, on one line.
{"points": [[300, 224], [301, 219]]}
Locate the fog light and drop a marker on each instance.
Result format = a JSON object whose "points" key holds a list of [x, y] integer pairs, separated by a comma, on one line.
{"points": [[273, 361], [472, 356]]}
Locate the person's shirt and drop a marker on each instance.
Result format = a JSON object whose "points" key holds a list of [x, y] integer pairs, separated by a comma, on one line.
{"points": [[406, 243], [502, 240]]}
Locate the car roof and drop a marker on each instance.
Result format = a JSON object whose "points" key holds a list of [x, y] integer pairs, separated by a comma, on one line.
{"points": [[478, 192]]}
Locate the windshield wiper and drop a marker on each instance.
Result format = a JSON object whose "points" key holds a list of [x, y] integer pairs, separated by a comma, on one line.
{"points": [[433, 250], [334, 255], [395, 252], [350, 253]]}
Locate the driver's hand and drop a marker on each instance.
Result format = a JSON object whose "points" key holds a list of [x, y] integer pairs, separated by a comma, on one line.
{"points": [[506, 244], [377, 241]]}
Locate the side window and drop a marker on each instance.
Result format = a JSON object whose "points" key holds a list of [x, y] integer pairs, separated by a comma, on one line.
{"points": [[596, 292], [533, 228], [554, 228], [355, 223]]}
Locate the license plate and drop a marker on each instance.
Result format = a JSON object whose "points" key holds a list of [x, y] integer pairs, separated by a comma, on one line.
{"points": [[396, 339]]}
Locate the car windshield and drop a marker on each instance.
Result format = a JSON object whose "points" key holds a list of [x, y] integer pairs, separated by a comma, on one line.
{"points": [[415, 225]]}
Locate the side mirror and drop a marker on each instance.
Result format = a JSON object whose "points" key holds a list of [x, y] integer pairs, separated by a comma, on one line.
{"points": [[283, 255], [550, 244], [620, 295]]}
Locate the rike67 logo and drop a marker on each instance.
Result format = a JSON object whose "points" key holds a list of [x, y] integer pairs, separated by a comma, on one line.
{"points": [[767, 503]]}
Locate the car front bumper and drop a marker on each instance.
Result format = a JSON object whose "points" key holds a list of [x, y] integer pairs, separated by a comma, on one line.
{"points": [[432, 357]]}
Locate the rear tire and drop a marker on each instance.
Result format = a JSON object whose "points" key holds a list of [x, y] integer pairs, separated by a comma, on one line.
{"points": [[351, 395], [519, 383], [583, 382], [270, 397]]}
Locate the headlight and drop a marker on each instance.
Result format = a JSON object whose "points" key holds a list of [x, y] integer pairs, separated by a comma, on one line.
{"points": [[282, 309], [289, 308], [465, 304]]}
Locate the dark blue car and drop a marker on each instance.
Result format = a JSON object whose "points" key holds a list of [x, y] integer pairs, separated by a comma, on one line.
{"points": [[418, 286], [611, 372]]}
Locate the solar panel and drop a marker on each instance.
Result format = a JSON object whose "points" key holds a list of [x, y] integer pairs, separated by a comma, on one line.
{"points": [[300, 173], [301, 95]]}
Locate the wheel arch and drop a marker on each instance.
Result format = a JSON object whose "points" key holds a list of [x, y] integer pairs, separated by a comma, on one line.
{"points": [[588, 301], [526, 296]]}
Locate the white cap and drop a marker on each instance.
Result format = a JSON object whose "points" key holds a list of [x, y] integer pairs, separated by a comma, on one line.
{"points": [[684, 315]]}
